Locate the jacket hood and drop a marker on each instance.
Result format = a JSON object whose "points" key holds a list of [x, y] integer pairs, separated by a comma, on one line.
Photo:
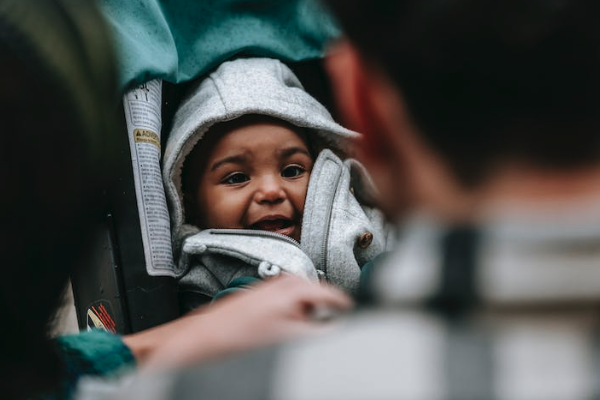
{"points": [[245, 86]]}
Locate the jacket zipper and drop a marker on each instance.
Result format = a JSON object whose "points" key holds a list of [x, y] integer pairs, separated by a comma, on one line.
{"points": [[327, 226], [255, 232]]}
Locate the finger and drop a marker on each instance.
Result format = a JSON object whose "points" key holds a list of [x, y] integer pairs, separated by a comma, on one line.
{"points": [[328, 296], [314, 294], [303, 328]]}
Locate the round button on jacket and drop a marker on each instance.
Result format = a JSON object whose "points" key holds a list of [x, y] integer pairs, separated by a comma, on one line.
{"points": [[365, 240]]}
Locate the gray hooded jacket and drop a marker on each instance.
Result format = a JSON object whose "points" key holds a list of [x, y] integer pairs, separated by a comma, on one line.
{"points": [[338, 233]]}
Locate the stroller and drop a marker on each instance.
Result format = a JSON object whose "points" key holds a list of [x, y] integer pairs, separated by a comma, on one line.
{"points": [[115, 291]]}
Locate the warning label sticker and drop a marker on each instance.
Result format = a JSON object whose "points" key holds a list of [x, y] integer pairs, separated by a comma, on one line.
{"points": [[146, 136]]}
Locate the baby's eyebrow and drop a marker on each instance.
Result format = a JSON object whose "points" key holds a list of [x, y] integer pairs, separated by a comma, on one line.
{"points": [[236, 159], [290, 151]]}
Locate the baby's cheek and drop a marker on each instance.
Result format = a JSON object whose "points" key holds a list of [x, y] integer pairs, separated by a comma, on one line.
{"points": [[300, 196], [229, 211]]}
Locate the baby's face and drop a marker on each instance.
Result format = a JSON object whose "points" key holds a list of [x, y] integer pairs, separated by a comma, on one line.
{"points": [[255, 177]]}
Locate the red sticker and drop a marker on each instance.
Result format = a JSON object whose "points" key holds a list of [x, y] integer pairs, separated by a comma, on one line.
{"points": [[99, 317]]}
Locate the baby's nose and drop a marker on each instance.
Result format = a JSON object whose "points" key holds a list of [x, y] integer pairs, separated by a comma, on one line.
{"points": [[270, 190]]}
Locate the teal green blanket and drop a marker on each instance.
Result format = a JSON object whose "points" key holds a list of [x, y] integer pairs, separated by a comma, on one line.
{"points": [[178, 40]]}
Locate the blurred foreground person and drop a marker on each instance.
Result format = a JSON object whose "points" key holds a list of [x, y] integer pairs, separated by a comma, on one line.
{"points": [[482, 128], [57, 102]]}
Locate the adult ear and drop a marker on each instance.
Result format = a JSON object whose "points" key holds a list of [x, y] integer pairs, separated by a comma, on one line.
{"points": [[347, 83], [368, 103]]}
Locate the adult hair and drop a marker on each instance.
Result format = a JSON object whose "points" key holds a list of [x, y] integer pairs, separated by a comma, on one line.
{"points": [[490, 81], [56, 89]]}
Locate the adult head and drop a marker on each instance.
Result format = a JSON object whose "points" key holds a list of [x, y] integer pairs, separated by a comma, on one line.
{"points": [[454, 94], [56, 85]]}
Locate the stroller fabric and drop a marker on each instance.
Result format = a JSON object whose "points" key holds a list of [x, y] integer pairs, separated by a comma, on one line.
{"points": [[179, 40]]}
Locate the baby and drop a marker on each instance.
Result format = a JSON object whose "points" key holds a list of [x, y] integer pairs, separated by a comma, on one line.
{"points": [[249, 198], [249, 173]]}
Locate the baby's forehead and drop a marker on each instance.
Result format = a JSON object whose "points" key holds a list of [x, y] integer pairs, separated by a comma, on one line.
{"points": [[252, 129], [216, 139]]}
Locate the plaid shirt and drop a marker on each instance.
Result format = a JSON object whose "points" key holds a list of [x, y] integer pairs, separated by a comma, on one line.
{"points": [[505, 311]]}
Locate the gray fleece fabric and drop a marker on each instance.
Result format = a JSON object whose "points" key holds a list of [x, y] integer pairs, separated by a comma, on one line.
{"points": [[352, 235], [338, 233]]}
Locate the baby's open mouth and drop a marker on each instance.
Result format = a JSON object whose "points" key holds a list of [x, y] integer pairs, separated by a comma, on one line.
{"points": [[278, 224], [272, 225]]}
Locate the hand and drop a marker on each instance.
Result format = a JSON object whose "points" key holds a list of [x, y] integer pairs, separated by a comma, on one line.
{"points": [[272, 311]]}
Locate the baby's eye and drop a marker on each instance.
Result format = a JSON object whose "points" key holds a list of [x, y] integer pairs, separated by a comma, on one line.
{"points": [[235, 178], [292, 171]]}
